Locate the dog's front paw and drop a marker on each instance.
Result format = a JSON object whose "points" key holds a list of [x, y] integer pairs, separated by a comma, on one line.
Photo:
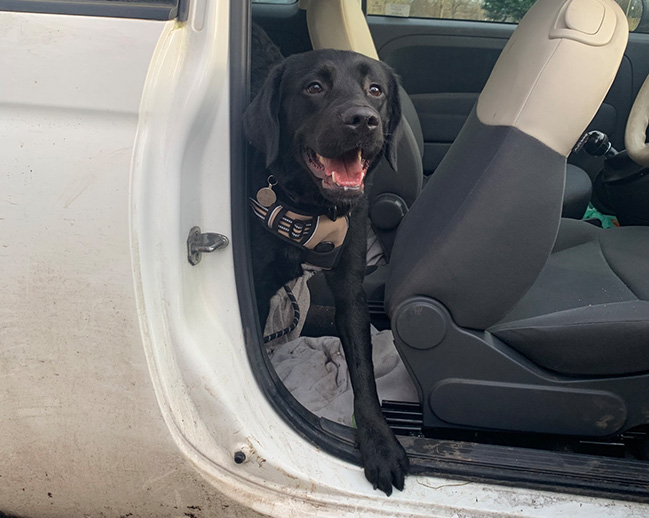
{"points": [[385, 461]]}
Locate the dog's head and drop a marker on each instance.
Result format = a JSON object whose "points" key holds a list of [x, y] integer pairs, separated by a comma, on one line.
{"points": [[330, 115]]}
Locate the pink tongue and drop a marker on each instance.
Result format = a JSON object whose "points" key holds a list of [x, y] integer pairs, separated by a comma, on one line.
{"points": [[348, 169]]}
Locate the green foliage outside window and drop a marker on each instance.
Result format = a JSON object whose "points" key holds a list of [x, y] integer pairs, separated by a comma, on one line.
{"points": [[506, 10], [482, 10]]}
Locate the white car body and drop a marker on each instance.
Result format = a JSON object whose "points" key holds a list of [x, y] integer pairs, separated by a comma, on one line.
{"points": [[124, 381]]}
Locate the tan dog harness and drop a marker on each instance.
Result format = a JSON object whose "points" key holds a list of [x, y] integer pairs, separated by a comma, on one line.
{"points": [[320, 237]]}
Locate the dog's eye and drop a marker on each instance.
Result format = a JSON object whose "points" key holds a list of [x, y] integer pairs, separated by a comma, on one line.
{"points": [[375, 90], [314, 88]]}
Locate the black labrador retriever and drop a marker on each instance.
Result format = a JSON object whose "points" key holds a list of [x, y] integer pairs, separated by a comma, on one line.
{"points": [[321, 121]]}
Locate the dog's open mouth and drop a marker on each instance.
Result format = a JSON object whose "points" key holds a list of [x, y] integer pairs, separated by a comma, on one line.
{"points": [[346, 171]]}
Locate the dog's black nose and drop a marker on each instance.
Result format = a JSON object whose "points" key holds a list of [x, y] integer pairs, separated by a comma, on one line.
{"points": [[361, 119]]}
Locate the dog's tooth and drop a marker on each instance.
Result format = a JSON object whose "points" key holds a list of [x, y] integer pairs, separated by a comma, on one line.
{"points": [[333, 177]]}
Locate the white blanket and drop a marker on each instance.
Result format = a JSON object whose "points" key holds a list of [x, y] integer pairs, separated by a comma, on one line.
{"points": [[314, 369]]}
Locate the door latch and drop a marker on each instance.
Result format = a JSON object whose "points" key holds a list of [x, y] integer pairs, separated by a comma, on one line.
{"points": [[199, 243]]}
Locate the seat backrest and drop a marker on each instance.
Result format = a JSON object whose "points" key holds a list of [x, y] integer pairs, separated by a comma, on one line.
{"points": [[341, 24], [482, 229]]}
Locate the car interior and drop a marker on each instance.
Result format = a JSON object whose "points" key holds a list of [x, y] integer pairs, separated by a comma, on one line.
{"points": [[521, 321]]}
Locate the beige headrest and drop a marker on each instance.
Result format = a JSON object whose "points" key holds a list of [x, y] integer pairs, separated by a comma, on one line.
{"points": [[554, 72], [338, 24]]}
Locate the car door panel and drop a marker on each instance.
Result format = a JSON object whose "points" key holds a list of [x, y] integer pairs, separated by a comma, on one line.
{"points": [[443, 65], [442, 116]]}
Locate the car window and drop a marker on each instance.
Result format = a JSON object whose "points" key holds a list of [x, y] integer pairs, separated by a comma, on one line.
{"points": [[274, 1], [144, 9], [508, 11]]}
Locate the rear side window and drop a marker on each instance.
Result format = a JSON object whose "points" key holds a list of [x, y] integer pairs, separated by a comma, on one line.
{"points": [[144, 9], [507, 11]]}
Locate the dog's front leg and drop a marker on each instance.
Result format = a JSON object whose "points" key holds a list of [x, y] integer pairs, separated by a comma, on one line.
{"points": [[384, 459]]}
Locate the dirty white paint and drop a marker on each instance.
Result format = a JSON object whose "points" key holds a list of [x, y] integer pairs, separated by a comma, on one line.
{"points": [[80, 433]]}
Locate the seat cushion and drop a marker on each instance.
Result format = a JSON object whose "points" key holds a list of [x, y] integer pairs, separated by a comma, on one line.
{"points": [[606, 339], [626, 251], [588, 312]]}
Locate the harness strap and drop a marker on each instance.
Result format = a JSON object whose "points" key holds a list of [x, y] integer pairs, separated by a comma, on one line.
{"points": [[320, 237], [294, 323]]}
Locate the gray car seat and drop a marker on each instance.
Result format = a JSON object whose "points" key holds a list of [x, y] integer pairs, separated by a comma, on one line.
{"points": [[508, 317]]}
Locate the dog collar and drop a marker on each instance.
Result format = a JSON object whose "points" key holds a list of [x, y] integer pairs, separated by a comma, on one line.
{"points": [[321, 238]]}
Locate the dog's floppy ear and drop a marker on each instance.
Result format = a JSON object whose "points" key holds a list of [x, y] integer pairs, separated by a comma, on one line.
{"points": [[261, 120], [395, 127]]}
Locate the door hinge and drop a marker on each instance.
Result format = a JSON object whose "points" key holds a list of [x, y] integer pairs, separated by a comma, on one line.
{"points": [[199, 243]]}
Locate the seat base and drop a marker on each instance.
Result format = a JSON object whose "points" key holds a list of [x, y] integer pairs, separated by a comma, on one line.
{"points": [[471, 379]]}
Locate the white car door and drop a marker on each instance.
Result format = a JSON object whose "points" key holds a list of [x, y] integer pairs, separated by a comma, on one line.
{"points": [[81, 432]]}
